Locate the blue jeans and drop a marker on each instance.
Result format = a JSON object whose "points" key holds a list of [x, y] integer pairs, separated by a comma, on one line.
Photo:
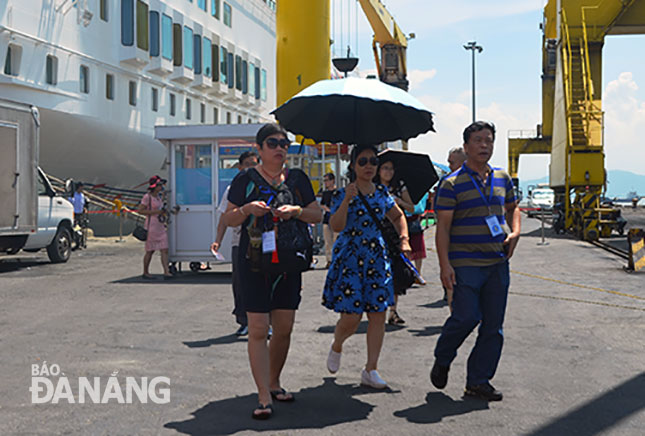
{"points": [[479, 296]]}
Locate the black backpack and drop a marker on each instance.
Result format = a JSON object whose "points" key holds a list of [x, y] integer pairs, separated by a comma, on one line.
{"points": [[293, 239]]}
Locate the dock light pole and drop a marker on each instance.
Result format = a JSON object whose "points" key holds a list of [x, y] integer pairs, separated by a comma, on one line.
{"points": [[472, 45]]}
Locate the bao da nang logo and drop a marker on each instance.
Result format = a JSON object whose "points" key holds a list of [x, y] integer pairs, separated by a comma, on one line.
{"points": [[50, 385]]}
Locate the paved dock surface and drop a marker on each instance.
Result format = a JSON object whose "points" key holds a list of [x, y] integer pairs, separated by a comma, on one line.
{"points": [[573, 360]]}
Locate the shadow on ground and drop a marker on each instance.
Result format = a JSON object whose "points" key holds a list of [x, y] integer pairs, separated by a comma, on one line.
{"points": [[222, 340], [430, 330], [315, 408], [187, 278], [438, 406], [435, 304], [600, 414], [361, 330]]}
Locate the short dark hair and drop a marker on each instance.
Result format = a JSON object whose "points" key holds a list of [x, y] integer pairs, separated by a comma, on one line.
{"points": [[476, 127], [331, 176], [247, 154], [267, 130], [356, 151]]}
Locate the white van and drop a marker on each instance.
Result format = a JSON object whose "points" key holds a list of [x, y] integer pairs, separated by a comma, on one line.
{"points": [[55, 222]]}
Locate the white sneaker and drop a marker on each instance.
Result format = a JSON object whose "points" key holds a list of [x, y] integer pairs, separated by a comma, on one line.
{"points": [[333, 361], [372, 379]]}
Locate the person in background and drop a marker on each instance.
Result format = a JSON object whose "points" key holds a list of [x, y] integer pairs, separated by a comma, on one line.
{"points": [[385, 175], [325, 203], [475, 207], [268, 297], [152, 207], [246, 160], [80, 203], [360, 277]]}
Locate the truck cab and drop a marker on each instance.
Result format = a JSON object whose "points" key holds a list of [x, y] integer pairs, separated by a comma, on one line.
{"points": [[55, 222]]}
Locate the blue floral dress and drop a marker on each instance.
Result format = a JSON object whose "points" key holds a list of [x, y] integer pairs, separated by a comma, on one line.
{"points": [[360, 276]]}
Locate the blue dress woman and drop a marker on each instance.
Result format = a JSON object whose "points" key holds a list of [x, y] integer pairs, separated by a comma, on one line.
{"points": [[359, 279]]}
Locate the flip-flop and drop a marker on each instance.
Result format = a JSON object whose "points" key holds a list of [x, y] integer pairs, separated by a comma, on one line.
{"points": [[284, 399], [266, 411]]}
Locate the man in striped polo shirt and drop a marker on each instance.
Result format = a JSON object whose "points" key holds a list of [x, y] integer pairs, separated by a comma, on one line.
{"points": [[474, 208]]}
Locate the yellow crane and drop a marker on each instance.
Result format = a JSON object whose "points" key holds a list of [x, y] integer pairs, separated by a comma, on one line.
{"points": [[391, 62], [572, 118]]}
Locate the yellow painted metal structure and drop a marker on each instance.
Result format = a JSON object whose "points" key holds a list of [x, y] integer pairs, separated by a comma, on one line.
{"points": [[393, 44], [573, 120], [303, 38]]}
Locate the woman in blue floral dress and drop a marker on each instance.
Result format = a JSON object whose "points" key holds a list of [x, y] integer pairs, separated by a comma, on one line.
{"points": [[359, 279]]}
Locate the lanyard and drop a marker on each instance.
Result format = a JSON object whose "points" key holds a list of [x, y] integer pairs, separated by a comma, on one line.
{"points": [[490, 196]]}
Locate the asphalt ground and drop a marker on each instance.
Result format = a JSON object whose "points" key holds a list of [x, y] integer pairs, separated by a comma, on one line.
{"points": [[573, 361]]}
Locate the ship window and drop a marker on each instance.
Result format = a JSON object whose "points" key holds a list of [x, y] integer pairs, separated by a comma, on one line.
{"points": [[251, 79], [51, 70], [202, 113], [173, 105], [202, 5], [132, 93], [127, 22], [228, 15], [142, 25], [189, 112], [166, 37], [228, 118], [231, 71], [177, 46], [215, 115], [215, 62], [215, 8], [197, 53], [223, 64], [155, 99], [257, 83], [154, 33], [206, 49], [84, 79], [264, 85], [109, 86], [245, 77], [188, 47], [103, 10], [238, 72]]}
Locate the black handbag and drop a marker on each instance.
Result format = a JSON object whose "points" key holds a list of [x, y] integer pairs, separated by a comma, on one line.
{"points": [[404, 273], [139, 231], [414, 225], [294, 243]]}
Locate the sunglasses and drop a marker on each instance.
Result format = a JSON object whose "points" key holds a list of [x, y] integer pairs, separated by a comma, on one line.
{"points": [[363, 161], [273, 143]]}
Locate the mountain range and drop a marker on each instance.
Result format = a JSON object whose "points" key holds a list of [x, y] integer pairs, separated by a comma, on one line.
{"points": [[620, 183]]}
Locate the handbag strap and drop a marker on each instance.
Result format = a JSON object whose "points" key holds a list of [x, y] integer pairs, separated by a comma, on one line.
{"points": [[150, 208], [378, 223]]}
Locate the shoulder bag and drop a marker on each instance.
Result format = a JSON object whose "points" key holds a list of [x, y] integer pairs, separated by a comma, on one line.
{"points": [[403, 272], [140, 231]]}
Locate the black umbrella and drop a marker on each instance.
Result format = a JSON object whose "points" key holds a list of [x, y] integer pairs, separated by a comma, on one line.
{"points": [[354, 111], [414, 169]]}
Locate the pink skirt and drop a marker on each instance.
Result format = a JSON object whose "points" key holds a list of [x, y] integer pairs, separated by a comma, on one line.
{"points": [[418, 246]]}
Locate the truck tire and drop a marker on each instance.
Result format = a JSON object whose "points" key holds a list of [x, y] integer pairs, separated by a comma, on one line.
{"points": [[60, 249]]}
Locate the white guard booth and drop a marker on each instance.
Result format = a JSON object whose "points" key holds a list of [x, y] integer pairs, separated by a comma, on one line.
{"points": [[202, 163]]}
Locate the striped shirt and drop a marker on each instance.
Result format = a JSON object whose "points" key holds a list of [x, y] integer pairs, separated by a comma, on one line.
{"points": [[471, 243]]}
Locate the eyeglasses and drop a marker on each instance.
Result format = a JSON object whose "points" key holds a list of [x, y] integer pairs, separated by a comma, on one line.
{"points": [[363, 161], [273, 143]]}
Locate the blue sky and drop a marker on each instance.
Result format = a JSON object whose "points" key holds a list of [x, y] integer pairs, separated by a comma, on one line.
{"points": [[508, 74]]}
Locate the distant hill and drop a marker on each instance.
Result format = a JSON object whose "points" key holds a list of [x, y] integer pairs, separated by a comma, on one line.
{"points": [[620, 183]]}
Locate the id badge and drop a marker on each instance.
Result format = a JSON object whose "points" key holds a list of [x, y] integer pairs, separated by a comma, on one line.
{"points": [[493, 225], [268, 242]]}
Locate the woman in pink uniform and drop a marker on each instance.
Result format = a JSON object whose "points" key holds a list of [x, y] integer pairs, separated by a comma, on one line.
{"points": [[152, 207]]}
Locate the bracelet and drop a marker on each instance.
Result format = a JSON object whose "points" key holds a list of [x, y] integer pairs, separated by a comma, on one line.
{"points": [[300, 210], [241, 209]]}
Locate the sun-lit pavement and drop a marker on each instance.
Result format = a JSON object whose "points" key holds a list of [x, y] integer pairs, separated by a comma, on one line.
{"points": [[573, 360]]}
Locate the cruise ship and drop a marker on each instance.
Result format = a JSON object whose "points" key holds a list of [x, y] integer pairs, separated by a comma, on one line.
{"points": [[103, 73]]}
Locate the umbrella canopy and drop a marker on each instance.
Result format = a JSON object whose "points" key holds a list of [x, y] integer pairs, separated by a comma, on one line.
{"points": [[354, 111], [414, 169]]}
